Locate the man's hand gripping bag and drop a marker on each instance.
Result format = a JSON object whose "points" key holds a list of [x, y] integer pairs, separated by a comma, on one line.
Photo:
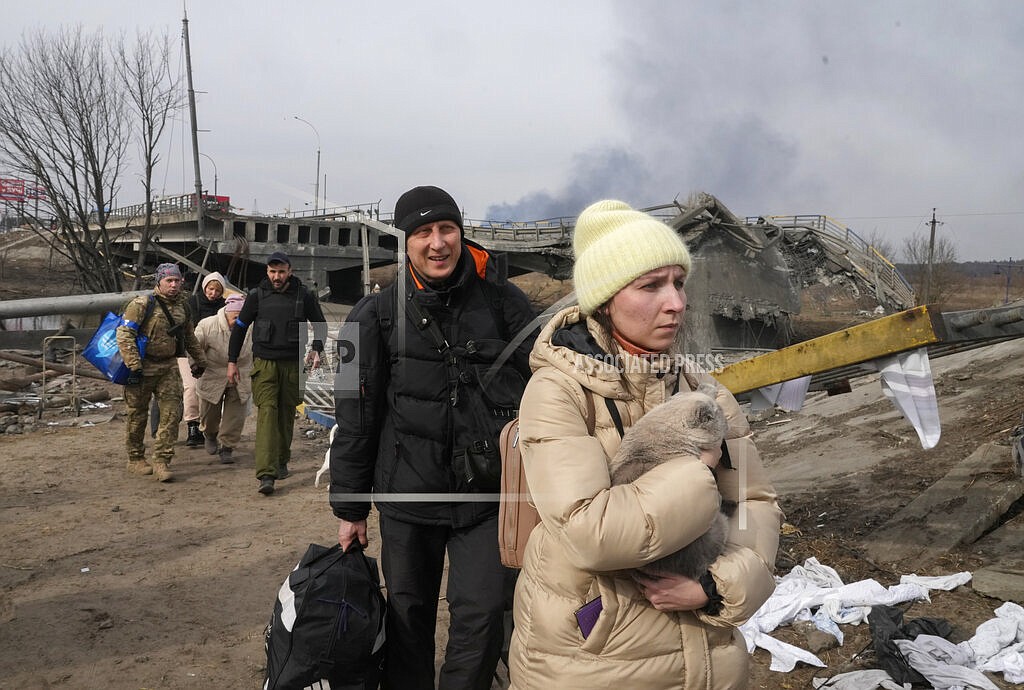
{"points": [[327, 629]]}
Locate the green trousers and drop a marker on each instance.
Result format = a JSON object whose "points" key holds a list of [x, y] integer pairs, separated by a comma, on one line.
{"points": [[275, 392], [163, 383]]}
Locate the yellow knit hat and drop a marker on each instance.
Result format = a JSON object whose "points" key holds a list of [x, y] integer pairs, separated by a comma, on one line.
{"points": [[614, 245]]}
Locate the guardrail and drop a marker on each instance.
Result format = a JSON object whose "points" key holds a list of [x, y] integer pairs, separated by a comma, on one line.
{"points": [[879, 267], [371, 209], [168, 204], [548, 230]]}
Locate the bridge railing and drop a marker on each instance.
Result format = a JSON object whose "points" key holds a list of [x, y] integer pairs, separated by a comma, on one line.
{"points": [[880, 267], [184, 203], [371, 209], [547, 230]]}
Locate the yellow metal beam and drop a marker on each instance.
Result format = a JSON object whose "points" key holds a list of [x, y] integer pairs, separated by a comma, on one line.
{"points": [[907, 330]]}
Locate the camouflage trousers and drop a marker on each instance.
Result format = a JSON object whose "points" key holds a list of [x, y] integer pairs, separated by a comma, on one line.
{"points": [[163, 384]]}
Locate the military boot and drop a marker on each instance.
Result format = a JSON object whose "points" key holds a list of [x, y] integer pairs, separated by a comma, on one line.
{"points": [[225, 456], [162, 472], [195, 436], [139, 467], [210, 442]]}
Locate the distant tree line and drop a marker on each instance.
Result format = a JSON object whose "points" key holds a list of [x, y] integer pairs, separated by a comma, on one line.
{"points": [[73, 107], [946, 278]]}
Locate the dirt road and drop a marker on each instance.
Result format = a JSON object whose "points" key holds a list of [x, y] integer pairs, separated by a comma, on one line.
{"points": [[109, 580]]}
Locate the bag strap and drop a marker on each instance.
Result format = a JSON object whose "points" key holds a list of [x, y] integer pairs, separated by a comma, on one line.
{"points": [[591, 412], [429, 325], [145, 315], [300, 303], [616, 417], [166, 311], [537, 323], [493, 297], [385, 318]]}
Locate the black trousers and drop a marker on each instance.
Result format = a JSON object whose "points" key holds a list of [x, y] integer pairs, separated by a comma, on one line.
{"points": [[412, 559]]}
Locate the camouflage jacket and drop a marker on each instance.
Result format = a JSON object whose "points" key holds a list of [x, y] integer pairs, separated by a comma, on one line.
{"points": [[162, 348]]}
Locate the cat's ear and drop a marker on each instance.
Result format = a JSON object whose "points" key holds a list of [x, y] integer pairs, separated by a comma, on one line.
{"points": [[705, 413]]}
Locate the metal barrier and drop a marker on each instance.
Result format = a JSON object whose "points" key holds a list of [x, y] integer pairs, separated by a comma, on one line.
{"points": [[75, 403], [184, 203], [549, 230]]}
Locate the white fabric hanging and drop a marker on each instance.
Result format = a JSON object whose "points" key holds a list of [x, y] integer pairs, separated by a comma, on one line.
{"points": [[907, 381], [788, 395]]}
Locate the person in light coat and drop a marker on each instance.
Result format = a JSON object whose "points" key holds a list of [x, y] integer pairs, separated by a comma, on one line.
{"points": [[223, 405], [200, 305], [620, 346]]}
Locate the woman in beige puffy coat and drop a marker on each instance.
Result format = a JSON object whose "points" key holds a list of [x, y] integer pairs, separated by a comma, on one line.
{"points": [[620, 345], [223, 406]]}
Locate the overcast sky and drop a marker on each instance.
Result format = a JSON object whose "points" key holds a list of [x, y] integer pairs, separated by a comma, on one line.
{"points": [[870, 112]]}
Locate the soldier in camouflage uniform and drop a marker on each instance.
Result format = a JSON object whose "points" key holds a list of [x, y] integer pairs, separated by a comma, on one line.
{"points": [[156, 374]]}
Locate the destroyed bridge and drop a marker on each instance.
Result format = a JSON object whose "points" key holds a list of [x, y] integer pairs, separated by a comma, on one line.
{"points": [[742, 289]]}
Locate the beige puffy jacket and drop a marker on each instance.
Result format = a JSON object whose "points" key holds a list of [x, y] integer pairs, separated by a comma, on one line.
{"points": [[591, 533], [214, 335]]}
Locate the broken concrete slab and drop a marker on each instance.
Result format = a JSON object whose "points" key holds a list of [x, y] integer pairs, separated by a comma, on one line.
{"points": [[1000, 582], [955, 510], [1002, 549]]}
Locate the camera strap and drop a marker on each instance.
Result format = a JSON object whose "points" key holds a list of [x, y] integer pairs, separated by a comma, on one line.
{"points": [[179, 336], [429, 326]]}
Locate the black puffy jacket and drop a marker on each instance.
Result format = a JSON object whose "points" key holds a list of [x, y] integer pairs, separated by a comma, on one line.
{"points": [[395, 429], [199, 307], [276, 319]]}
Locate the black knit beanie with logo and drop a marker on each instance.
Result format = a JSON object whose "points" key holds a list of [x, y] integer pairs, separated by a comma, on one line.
{"points": [[422, 205]]}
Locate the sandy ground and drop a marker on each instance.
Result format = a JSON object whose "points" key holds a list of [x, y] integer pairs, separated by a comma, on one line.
{"points": [[113, 580], [109, 580]]}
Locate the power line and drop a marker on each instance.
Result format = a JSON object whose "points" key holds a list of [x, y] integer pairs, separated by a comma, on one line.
{"points": [[918, 215]]}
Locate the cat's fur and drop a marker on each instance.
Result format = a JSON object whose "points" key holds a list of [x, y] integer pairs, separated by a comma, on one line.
{"points": [[683, 425]]}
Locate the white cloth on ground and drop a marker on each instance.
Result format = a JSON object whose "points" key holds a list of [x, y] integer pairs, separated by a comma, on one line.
{"points": [[852, 603], [943, 582], [998, 644], [942, 663], [869, 679], [808, 587]]}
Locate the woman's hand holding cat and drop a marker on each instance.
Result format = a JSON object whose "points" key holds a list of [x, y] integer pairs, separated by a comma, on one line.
{"points": [[668, 592]]}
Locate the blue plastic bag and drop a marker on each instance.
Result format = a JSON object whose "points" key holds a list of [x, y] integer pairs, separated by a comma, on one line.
{"points": [[102, 350]]}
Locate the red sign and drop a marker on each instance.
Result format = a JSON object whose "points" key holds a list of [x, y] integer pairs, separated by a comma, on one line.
{"points": [[12, 190], [19, 190]]}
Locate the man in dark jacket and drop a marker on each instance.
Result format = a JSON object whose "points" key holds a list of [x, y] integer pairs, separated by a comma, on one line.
{"points": [[276, 309], [432, 395]]}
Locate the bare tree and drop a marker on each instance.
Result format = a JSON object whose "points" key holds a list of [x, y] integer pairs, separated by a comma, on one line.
{"points": [[63, 123], [946, 278], [883, 245], [155, 95]]}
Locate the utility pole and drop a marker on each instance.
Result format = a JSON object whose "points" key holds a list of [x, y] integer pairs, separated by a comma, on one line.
{"points": [[931, 255], [1009, 277], [195, 129]]}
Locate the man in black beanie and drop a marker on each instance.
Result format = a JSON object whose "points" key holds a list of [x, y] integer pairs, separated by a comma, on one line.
{"points": [[433, 395]]}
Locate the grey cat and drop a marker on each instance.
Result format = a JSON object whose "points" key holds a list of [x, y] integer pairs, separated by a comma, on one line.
{"points": [[687, 423]]}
